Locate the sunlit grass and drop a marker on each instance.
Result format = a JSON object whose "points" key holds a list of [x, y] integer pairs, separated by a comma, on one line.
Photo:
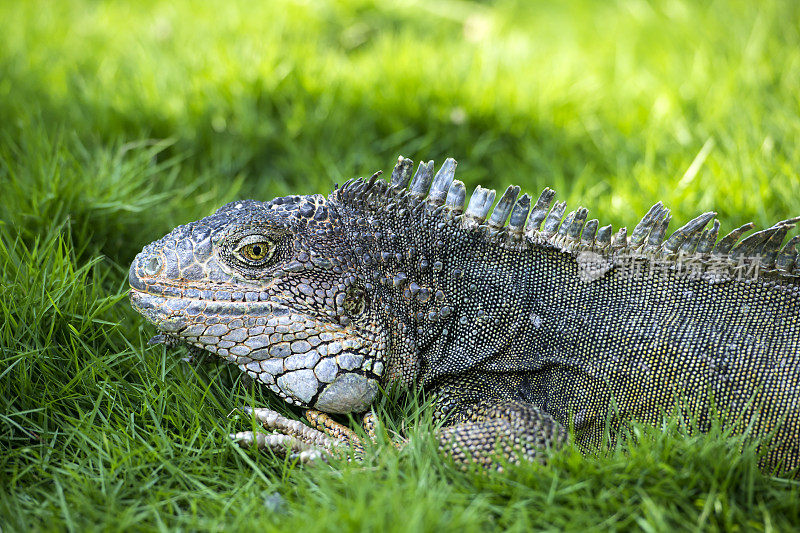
{"points": [[119, 121]]}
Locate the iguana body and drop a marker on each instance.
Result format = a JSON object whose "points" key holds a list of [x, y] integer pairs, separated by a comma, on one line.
{"points": [[522, 326]]}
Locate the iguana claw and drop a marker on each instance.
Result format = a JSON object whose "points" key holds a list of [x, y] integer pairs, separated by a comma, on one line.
{"points": [[279, 444], [299, 441]]}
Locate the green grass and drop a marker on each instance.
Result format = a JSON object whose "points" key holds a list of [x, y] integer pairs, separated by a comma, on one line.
{"points": [[120, 120]]}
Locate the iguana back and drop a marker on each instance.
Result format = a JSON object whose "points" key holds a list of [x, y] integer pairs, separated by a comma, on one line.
{"points": [[623, 346]]}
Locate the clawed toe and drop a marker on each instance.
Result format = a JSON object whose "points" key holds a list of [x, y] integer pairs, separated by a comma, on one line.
{"points": [[285, 445], [292, 438], [294, 428]]}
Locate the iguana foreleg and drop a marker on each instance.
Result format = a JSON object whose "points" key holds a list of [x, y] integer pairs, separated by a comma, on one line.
{"points": [[482, 433], [509, 430]]}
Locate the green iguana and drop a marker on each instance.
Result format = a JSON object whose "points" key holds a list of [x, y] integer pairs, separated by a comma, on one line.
{"points": [[523, 323]]}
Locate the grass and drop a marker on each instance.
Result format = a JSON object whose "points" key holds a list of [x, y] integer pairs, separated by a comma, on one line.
{"points": [[120, 120]]}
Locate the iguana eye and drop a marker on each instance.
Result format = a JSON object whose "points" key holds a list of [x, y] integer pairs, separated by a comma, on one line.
{"points": [[355, 301], [255, 249]]}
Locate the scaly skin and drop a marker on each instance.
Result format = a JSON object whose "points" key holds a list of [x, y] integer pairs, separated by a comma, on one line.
{"points": [[520, 330]]}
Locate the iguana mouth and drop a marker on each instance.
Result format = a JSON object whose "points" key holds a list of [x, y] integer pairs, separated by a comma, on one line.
{"points": [[196, 290]]}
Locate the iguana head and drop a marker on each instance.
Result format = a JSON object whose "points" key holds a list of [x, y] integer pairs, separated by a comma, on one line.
{"points": [[273, 288]]}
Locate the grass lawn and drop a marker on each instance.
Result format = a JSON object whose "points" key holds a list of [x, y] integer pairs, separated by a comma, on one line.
{"points": [[120, 120]]}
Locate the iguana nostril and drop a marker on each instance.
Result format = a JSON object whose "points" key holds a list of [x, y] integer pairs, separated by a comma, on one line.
{"points": [[153, 266]]}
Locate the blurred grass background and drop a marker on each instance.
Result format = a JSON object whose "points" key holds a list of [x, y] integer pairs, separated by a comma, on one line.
{"points": [[120, 120]]}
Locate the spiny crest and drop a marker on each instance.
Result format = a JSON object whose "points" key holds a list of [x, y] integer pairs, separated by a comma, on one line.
{"points": [[515, 223]]}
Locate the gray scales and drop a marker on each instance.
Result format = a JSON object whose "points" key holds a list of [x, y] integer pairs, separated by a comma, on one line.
{"points": [[523, 323]]}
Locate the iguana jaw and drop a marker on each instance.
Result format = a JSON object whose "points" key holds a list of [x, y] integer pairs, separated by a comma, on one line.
{"points": [[304, 361]]}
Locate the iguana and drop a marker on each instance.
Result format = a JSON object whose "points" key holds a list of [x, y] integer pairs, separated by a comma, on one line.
{"points": [[523, 323]]}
